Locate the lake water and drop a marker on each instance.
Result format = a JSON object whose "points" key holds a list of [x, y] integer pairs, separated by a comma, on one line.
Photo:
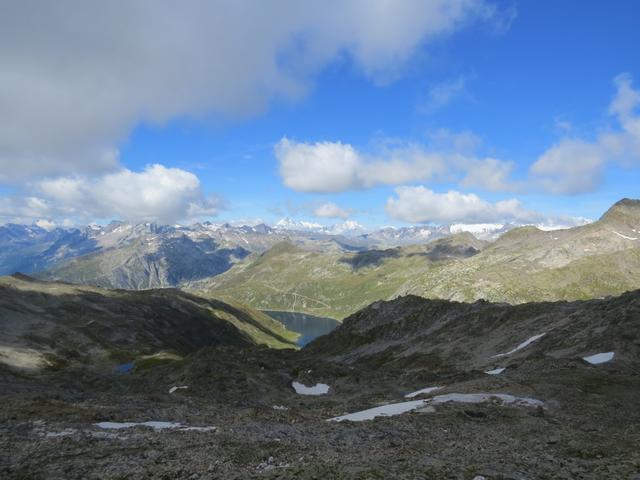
{"points": [[308, 326]]}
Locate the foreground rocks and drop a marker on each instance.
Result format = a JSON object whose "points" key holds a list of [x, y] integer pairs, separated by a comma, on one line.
{"points": [[584, 423], [588, 427]]}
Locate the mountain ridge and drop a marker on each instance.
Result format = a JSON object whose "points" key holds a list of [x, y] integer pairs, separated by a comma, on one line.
{"points": [[523, 265]]}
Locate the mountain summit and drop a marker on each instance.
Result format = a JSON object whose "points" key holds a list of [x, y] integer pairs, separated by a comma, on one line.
{"points": [[625, 212]]}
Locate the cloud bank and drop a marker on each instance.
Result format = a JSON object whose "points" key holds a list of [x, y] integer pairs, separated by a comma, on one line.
{"points": [[330, 167], [76, 77], [571, 166], [156, 194], [422, 205]]}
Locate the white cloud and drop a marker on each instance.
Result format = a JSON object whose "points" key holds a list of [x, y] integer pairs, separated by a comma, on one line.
{"points": [[574, 165], [77, 76], [331, 210], [24, 209], [318, 167], [571, 166], [329, 167], [421, 205], [442, 94], [157, 193]]}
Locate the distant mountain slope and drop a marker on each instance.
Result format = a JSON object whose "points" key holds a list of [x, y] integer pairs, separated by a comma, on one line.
{"points": [[124, 255], [148, 263], [332, 284], [53, 323], [525, 264], [29, 248]]}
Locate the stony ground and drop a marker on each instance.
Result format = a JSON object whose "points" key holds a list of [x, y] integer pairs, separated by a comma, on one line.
{"points": [[588, 428]]}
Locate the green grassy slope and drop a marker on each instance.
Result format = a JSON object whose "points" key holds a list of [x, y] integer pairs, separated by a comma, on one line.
{"points": [[525, 264]]}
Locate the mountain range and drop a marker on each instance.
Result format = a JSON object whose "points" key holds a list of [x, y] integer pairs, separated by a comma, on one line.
{"points": [[306, 268], [524, 264], [148, 248]]}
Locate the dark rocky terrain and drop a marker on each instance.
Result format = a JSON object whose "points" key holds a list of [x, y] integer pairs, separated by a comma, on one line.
{"points": [[574, 419]]}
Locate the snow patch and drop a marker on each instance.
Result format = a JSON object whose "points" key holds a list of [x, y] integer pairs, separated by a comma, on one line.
{"points": [[599, 358], [476, 228], [524, 344], [495, 371], [624, 236], [423, 391], [403, 407], [157, 426], [317, 389], [383, 411], [175, 389]]}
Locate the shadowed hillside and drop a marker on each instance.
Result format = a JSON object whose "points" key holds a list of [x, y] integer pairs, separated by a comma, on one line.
{"points": [[53, 324]]}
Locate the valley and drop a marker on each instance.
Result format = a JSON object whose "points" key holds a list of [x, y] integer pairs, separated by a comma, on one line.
{"points": [[450, 390], [460, 357]]}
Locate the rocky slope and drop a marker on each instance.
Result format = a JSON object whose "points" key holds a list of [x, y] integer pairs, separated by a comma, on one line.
{"points": [[148, 263], [467, 336], [51, 325], [549, 414]]}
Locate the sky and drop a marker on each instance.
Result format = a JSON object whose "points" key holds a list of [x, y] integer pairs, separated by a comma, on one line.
{"points": [[377, 112]]}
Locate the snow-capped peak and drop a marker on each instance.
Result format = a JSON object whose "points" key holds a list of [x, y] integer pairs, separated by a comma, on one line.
{"points": [[290, 224], [476, 228]]}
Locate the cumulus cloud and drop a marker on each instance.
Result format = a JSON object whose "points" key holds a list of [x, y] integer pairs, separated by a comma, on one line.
{"points": [[157, 194], [571, 166], [575, 165], [422, 205], [329, 167], [77, 76], [331, 210], [25, 209], [318, 167]]}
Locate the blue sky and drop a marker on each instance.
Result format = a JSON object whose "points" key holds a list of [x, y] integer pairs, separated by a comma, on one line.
{"points": [[506, 81]]}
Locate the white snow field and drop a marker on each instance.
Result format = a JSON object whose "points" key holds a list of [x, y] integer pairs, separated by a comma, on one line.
{"points": [[524, 344], [383, 411], [403, 407], [495, 371], [599, 358], [420, 392], [175, 389], [317, 389], [624, 236], [152, 424]]}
